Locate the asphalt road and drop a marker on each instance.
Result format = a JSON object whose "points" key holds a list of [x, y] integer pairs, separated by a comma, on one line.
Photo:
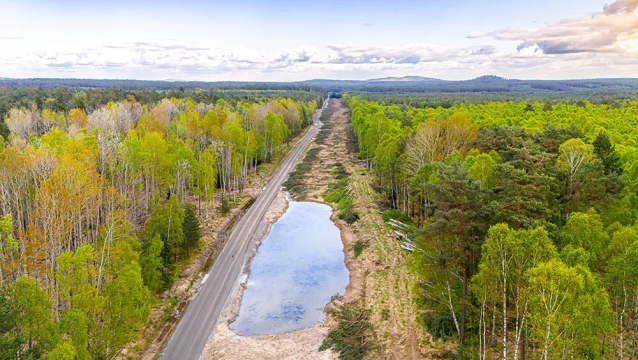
{"points": [[201, 316]]}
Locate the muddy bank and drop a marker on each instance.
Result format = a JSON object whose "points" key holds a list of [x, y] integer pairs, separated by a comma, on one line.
{"points": [[356, 286]]}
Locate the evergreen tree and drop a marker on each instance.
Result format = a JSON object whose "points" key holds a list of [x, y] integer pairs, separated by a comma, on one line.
{"points": [[457, 228], [192, 232], [152, 264], [167, 222], [606, 152]]}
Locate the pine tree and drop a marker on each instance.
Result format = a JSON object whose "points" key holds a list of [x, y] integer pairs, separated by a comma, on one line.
{"points": [[192, 233], [606, 152], [456, 230]]}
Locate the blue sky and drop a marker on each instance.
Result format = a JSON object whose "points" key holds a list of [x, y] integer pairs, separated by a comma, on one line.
{"points": [[298, 40]]}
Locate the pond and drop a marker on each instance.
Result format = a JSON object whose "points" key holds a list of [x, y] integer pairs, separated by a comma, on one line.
{"points": [[298, 268]]}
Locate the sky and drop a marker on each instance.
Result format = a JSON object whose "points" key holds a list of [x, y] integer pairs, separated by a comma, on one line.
{"points": [[292, 40]]}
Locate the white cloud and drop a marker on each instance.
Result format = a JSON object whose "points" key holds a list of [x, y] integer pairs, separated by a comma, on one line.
{"points": [[603, 44], [410, 54], [612, 30], [185, 60]]}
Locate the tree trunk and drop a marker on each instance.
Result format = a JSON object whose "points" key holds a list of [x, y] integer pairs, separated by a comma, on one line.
{"points": [[464, 297], [504, 294]]}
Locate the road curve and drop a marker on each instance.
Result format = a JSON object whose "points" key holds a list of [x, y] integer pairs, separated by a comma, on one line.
{"points": [[201, 316]]}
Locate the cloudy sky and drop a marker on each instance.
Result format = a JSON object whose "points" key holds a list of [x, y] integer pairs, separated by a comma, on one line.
{"points": [[287, 40]]}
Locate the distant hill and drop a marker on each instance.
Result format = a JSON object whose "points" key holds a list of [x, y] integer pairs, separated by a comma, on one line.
{"points": [[404, 78], [489, 78]]}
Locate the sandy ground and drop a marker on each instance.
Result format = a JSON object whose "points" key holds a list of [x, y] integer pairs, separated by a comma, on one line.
{"points": [[227, 344]]}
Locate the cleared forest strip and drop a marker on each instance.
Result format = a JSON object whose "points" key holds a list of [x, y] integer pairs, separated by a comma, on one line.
{"points": [[380, 278]]}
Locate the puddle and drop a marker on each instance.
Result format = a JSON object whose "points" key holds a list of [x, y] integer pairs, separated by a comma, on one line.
{"points": [[298, 268]]}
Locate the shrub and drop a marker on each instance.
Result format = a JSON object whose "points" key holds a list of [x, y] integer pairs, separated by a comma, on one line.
{"points": [[225, 207], [359, 246], [351, 338]]}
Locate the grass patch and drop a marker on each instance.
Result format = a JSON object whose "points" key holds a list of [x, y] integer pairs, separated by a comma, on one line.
{"points": [[385, 314], [295, 182], [359, 246], [339, 193]]}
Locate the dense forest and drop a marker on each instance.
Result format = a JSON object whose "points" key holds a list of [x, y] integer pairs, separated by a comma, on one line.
{"points": [[523, 219], [521, 206], [101, 195]]}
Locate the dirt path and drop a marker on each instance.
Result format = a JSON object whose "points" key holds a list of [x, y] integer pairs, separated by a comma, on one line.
{"points": [[388, 281], [379, 277]]}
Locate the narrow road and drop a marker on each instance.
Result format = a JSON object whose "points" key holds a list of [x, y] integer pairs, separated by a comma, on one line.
{"points": [[200, 318]]}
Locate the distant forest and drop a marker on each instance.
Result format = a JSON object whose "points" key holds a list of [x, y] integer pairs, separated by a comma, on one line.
{"points": [[64, 94], [481, 84], [83, 84]]}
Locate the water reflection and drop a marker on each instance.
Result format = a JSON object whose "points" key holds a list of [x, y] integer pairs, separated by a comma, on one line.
{"points": [[299, 266]]}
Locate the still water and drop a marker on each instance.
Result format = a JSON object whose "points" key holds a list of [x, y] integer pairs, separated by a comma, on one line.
{"points": [[298, 267]]}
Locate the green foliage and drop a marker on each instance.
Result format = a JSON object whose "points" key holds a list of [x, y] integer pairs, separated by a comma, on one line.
{"points": [[352, 336], [574, 256], [167, 222], [126, 306], [29, 330], [295, 181], [440, 322], [482, 170], [542, 177], [64, 351], [586, 230], [396, 214], [192, 232], [359, 246], [606, 152], [567, 304], [76, 277], [225, 206], [107, 218], [74, 325], [152, 264], [339, 193], [346, 211], [385, 314]]}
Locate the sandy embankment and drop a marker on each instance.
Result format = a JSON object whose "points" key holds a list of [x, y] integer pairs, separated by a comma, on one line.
{"points": [[303, 344]]}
